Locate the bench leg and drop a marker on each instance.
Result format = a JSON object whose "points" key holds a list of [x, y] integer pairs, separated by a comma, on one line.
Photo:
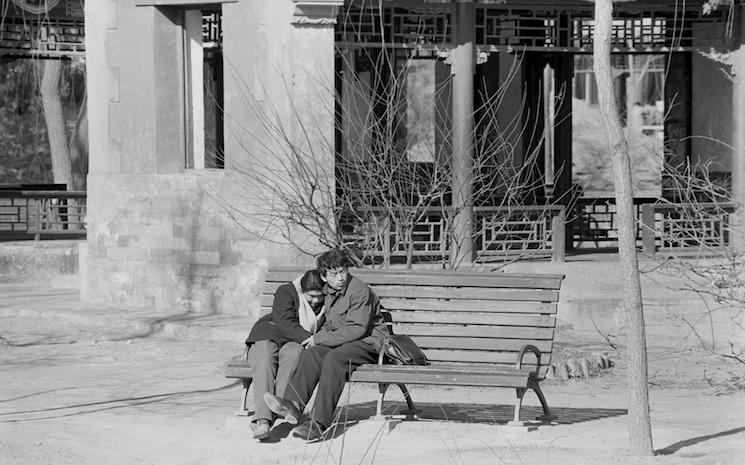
{"points": [[382, 387], [547, 415], [518, 404], [243, 410], [412, 413]]}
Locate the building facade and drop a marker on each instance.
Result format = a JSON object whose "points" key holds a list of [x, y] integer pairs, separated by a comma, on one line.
{"points": [[198, 107]]}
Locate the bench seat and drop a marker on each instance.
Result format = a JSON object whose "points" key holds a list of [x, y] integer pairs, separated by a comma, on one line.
{"points": [[449, 375]]}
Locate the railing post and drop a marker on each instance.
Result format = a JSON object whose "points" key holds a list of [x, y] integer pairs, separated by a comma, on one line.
{"points": [[648, 229], [387, 240], [558, 235]]}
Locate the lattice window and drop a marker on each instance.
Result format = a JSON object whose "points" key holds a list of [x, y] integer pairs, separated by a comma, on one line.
{"points": [[212, 30], [524, 27], [47, 37], [572, 30], [365, 25]]}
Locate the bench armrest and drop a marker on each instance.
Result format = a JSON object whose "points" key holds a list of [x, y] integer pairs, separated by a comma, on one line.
{"points": [[521, 354], [381, 355]]}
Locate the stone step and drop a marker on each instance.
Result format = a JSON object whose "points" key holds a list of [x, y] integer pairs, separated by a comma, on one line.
{"points": [[38, 260]]}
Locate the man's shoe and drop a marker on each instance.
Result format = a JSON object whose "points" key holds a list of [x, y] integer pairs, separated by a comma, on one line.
{"points": [[309, 431], [283, 407], [261, 429]]}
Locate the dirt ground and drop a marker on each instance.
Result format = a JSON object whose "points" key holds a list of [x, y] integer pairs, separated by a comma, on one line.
{"points": [[96, 391]]}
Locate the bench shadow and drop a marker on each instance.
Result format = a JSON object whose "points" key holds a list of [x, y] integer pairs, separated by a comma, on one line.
{"points": [[492, 414], [673, 448]]}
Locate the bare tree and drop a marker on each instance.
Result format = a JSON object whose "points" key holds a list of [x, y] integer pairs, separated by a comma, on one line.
{"points": [[640, 431], [392, 176], [694, 234]]}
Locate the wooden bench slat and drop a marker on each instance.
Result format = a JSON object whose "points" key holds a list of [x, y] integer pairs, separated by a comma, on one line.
{"points": [[466, 293], [449, 305], [393, 303], [465, 367], [238, 369], [413, 376], [530, 295], [460, 368], [476, 343], [494, 332], [437, 278], [479, 356], [496, 319]]}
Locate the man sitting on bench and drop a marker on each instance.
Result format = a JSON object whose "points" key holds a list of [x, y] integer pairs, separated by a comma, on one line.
{"points": [[350, 336]]}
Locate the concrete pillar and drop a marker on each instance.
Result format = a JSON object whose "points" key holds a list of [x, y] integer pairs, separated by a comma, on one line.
{"points": [[738, 136], [102, 84], [463, 67]]}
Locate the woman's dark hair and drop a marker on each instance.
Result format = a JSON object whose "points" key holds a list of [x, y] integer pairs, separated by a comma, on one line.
{"points": [[334, 258], [311, 281]]}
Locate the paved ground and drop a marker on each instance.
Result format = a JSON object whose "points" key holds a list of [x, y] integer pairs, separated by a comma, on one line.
{"points": [[90, 385]]}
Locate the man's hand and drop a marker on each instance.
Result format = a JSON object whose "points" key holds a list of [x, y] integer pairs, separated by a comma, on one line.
{"points": [[308, 343]]}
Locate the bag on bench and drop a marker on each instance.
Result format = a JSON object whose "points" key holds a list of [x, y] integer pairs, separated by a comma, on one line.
{"points": [[402, 350]]}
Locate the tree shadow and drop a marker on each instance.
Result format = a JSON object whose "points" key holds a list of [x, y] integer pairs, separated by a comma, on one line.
{"points": [[34, 394], [673, 448], [106, 405], [492, 414]]}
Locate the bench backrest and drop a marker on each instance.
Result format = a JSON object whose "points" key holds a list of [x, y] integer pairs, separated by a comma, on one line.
{"points": [[460, 317]]}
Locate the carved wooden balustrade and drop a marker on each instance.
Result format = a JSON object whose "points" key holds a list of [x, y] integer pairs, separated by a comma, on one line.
{"points": [[593, 221], [36, 214], [499, 233], [686, 228]]}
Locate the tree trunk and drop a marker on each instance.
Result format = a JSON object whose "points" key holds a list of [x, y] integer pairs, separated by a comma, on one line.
{"points": [[55, 120], [78, 148], [640, 431]]}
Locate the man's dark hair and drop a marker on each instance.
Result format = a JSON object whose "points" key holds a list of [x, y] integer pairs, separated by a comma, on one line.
{"points": [[311, 281], [334, 258]]}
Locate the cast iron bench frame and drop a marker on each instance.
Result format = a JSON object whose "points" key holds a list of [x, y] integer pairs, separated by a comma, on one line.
{"points": [[486, 329]]}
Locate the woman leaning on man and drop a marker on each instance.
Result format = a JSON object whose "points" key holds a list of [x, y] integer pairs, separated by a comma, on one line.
{"points": [[274, 342]]}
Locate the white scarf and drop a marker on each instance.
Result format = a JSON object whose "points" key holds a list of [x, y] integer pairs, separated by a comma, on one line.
{"points": [[308, 318]]}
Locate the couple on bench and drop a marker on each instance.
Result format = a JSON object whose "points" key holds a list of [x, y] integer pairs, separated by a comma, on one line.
{"points": [[322, 326]]}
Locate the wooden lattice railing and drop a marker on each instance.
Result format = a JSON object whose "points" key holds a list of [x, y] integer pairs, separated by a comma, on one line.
{"points": [[593, 221], [42, 214], [499, 233], [686, 228]]}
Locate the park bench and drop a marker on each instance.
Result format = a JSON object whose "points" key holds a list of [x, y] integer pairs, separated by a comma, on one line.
{"points": [[485, 329]]}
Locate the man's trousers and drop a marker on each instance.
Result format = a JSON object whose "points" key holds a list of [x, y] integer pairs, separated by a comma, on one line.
{"points": [[330, 369], [272, 367]]}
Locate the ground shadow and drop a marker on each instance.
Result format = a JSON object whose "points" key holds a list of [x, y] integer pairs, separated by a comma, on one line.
{"points": [[279, 432], [48, 413], [673, 448], [493, 414]]}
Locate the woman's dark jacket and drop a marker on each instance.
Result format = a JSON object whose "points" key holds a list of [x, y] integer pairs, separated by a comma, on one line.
{"points": [[283, 324]]}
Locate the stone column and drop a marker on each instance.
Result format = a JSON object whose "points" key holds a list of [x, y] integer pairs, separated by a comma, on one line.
{"points": [[463, 67], [738, 133]]}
